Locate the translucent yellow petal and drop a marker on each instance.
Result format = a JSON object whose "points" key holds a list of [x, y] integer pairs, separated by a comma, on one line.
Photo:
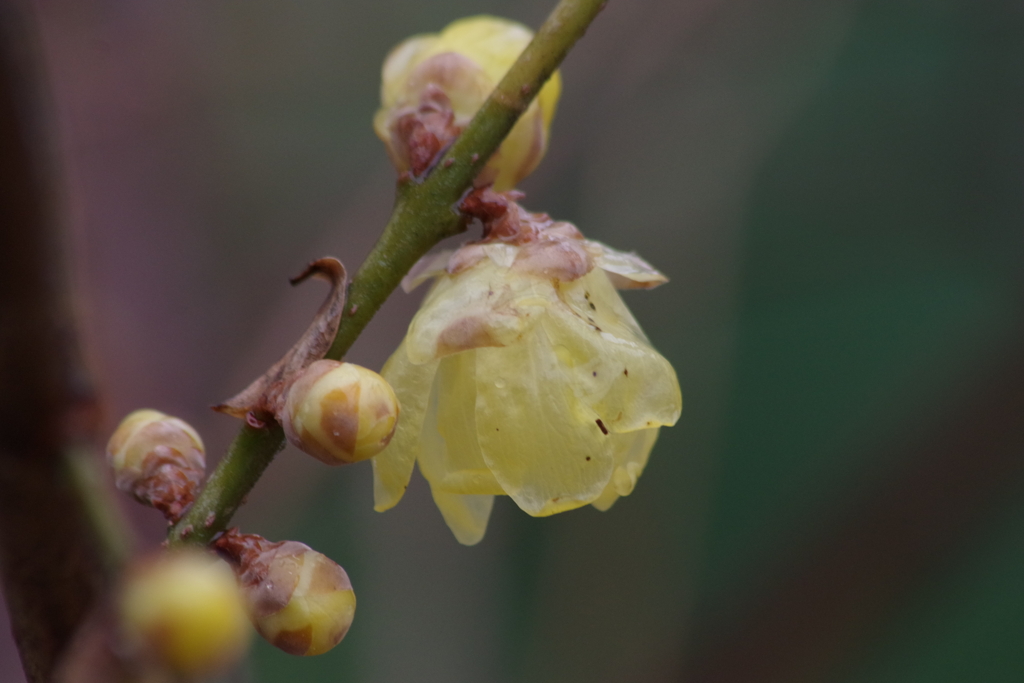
{"points": [[398, 65], [479, 307], [459, 76], [607, 498], [542, 444], [593, 298], [465, 515], [464, 468], [495, 44], [430, 266], [450, 456], [392, 467], [626, 270], [488, 44], [609, 363], [521, 151], [631, 453]]}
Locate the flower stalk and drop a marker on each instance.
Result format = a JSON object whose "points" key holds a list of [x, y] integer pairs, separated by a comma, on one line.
{"points": [[425, 212]]}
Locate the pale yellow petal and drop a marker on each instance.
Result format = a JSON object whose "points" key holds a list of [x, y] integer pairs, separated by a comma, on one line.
{"points": [[542, 444], [479, 307], [593, 298], [609, 363], [469, 255], [450, 456], [465, 515], [607, 498], [493, 42], [464, 470], [429, 266], [626, 270], [393, 466], [399, 64], [521, 151], [464, 83], [631, 453], [502, 254]]}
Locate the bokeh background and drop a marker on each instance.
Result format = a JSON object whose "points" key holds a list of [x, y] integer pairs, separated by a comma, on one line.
{"points": [[835, 188]]}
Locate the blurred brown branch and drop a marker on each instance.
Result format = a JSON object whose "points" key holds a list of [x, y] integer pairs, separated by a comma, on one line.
{"points": [[50, 556]]}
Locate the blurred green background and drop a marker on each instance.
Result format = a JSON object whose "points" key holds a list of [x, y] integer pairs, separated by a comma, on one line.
{"points": [[835, 188]]}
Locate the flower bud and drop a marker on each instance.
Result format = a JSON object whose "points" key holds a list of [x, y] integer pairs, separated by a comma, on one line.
{"points": [[158, 459], [299, 600], [340, 413], [434, 84], [184, 612]]}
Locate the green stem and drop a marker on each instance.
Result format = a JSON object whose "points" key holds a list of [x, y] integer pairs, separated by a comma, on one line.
{"points": [[424, 214], [246, 460]]}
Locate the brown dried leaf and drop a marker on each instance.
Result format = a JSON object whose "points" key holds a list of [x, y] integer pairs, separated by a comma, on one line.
{"points": [[486, 205], [264, 396]]}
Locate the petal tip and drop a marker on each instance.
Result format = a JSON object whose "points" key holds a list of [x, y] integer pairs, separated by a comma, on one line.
{"points": [[626, 270]]}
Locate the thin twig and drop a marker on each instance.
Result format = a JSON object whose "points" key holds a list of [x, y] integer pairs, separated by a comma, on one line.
{"points": [[424, 214]]}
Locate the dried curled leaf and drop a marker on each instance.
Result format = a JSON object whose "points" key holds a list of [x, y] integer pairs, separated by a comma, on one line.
{"points": [[265, 396]]}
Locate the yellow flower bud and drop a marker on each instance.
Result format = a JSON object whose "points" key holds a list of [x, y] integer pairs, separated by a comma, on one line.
{"points": [[340, 413], [158, 459], [184, 611], [300, 600], [434, 84]]}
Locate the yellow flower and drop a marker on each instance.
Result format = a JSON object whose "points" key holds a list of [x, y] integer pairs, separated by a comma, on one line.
{"points": [[524, 374], [433, 84]]}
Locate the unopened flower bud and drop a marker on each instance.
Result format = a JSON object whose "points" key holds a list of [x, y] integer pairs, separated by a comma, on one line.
{"points": [[184, 612], [434, 84], [158, 459], [340, 413], [300, 600]]}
